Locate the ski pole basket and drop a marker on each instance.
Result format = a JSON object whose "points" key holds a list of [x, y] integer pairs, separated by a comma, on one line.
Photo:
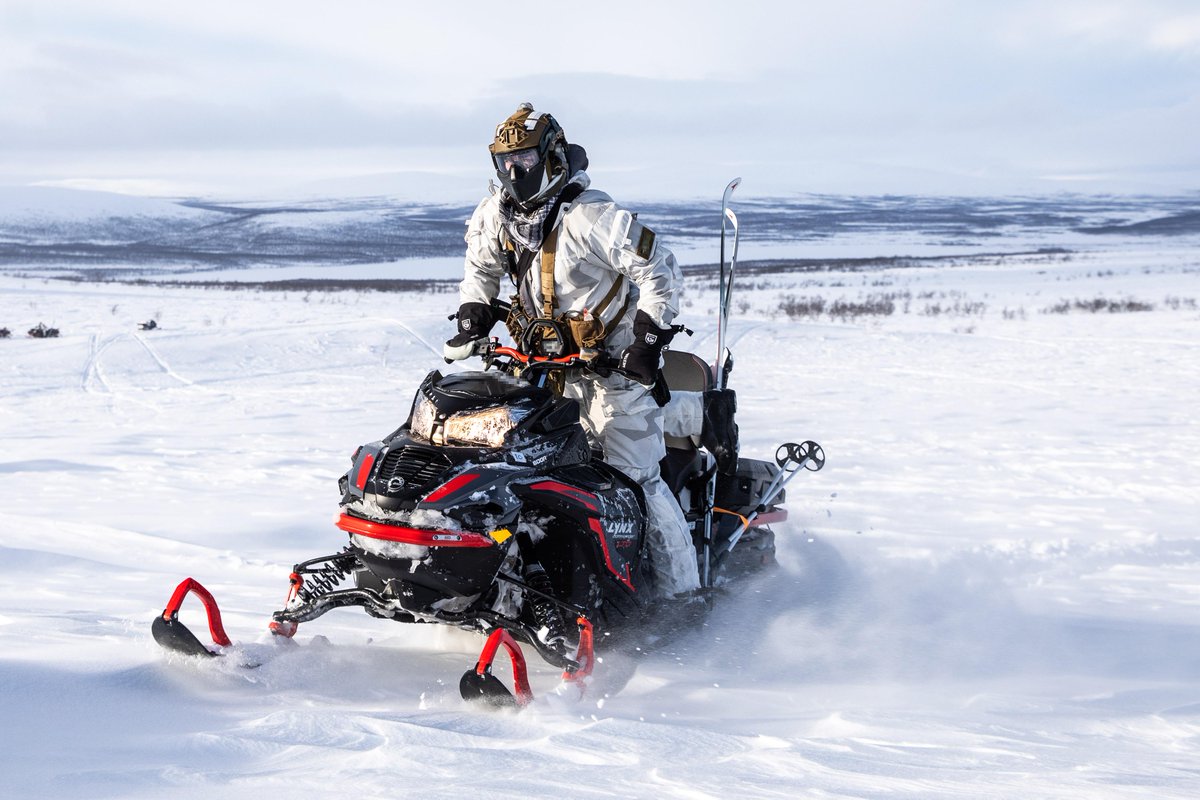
{"points": [[791, 458]]}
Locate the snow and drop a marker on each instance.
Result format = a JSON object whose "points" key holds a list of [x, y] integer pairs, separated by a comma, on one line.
{"points": [[989, 591]]}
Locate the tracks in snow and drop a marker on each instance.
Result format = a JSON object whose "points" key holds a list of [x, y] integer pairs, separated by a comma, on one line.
{"points": [[92, 375], [92, 379], [158, 359]]}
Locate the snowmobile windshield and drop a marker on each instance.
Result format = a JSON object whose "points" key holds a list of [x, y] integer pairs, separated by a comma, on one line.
{"points": [[524, 160]]}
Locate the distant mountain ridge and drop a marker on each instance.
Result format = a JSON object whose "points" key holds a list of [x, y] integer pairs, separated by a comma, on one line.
{"points": [[96, 234]]}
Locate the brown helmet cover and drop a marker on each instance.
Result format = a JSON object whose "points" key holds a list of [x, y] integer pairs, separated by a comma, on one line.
{"points": [[525, 129]]}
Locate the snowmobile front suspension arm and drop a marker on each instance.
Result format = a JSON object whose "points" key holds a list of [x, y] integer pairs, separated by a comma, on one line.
{"points": [[306, 612], [284, 622], [307, 600], [172, 634], [324, 574], [522, 632], [574, 609]]}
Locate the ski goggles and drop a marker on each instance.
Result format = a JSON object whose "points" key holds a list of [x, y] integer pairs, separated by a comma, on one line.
{"points": [[524, 160]]}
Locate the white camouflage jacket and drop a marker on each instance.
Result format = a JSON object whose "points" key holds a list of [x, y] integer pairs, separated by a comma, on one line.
{"points": [[598, 241]]}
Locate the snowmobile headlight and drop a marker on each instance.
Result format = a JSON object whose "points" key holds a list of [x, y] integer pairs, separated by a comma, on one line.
{"points": [[423, 415], [486, 428]]}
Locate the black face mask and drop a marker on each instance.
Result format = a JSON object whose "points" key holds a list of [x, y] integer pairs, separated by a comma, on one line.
{"points": [[521, 172]]}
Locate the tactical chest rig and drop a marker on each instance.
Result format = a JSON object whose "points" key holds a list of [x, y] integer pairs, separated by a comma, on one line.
{"points": [[548, 333]]}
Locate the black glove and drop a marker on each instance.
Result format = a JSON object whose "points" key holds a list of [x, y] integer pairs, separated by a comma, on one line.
{"points": [[640, 359], [475, 321]]}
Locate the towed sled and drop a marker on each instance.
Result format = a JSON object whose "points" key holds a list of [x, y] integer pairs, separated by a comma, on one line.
{"points": [[489, 510]]}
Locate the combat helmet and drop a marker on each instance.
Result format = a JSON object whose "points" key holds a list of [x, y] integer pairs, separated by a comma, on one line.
{"points": [[530, 155]]}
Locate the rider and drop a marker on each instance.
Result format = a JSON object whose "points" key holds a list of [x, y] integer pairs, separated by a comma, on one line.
{"points": [[577, 257]]}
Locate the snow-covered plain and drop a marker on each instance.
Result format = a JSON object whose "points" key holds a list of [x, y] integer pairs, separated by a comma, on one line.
{"points": [[990, 591]]}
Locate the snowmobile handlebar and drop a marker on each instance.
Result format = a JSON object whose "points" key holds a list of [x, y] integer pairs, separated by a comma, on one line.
{"points": [[545, 336], [596, 361], [583, 358]]}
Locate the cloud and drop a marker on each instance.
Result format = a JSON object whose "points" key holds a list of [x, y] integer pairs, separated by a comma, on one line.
{"points": [[1177, 34], [1002, 91], [1103, 28]]}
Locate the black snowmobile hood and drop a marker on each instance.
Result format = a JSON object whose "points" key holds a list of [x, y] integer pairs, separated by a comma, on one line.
{"points": [[467, 390]]}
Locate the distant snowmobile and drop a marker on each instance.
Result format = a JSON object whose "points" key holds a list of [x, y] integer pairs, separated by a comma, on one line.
{"points": [[488, 510], [41, 331], [5, 333], [148, 325]]}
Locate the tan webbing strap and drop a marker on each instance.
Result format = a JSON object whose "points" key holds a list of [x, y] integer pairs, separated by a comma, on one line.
{"points": [[608, 298], [549, 245], [549, 301], [612, 323]]}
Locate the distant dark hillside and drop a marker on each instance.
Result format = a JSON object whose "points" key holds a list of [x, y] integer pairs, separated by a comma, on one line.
{"points": [[1174, 225], [218, 236]]}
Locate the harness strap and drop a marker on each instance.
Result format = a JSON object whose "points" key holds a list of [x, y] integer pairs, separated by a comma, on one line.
{"points": [[608, 298], [549, 301], [519, 261], [549, 245], [617, 317]]}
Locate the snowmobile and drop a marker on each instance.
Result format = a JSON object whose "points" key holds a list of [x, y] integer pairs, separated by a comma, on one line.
{"points": [[41, 331], [5, 333], [148, 325], [489, 510]]}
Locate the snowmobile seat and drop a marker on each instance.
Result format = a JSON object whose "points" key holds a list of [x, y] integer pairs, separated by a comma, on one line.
{"points": [[685, 372]]}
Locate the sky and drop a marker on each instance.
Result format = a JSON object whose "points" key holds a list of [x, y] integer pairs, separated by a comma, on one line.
{"points": [[671, 99]]}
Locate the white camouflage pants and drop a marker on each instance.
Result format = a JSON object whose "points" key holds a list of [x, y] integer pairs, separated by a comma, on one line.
{"points": [[623, 418]]}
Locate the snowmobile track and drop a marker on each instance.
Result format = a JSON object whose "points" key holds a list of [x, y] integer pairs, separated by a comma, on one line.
{"points": [[162, 363], [92, 374], [436, 350]]}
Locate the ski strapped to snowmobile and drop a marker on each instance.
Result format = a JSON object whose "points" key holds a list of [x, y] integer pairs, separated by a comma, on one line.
{"points": [[489, 510], [721, 368]]}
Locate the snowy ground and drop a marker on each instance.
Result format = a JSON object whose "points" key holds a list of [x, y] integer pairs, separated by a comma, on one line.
{"points": [[990, 591]]}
